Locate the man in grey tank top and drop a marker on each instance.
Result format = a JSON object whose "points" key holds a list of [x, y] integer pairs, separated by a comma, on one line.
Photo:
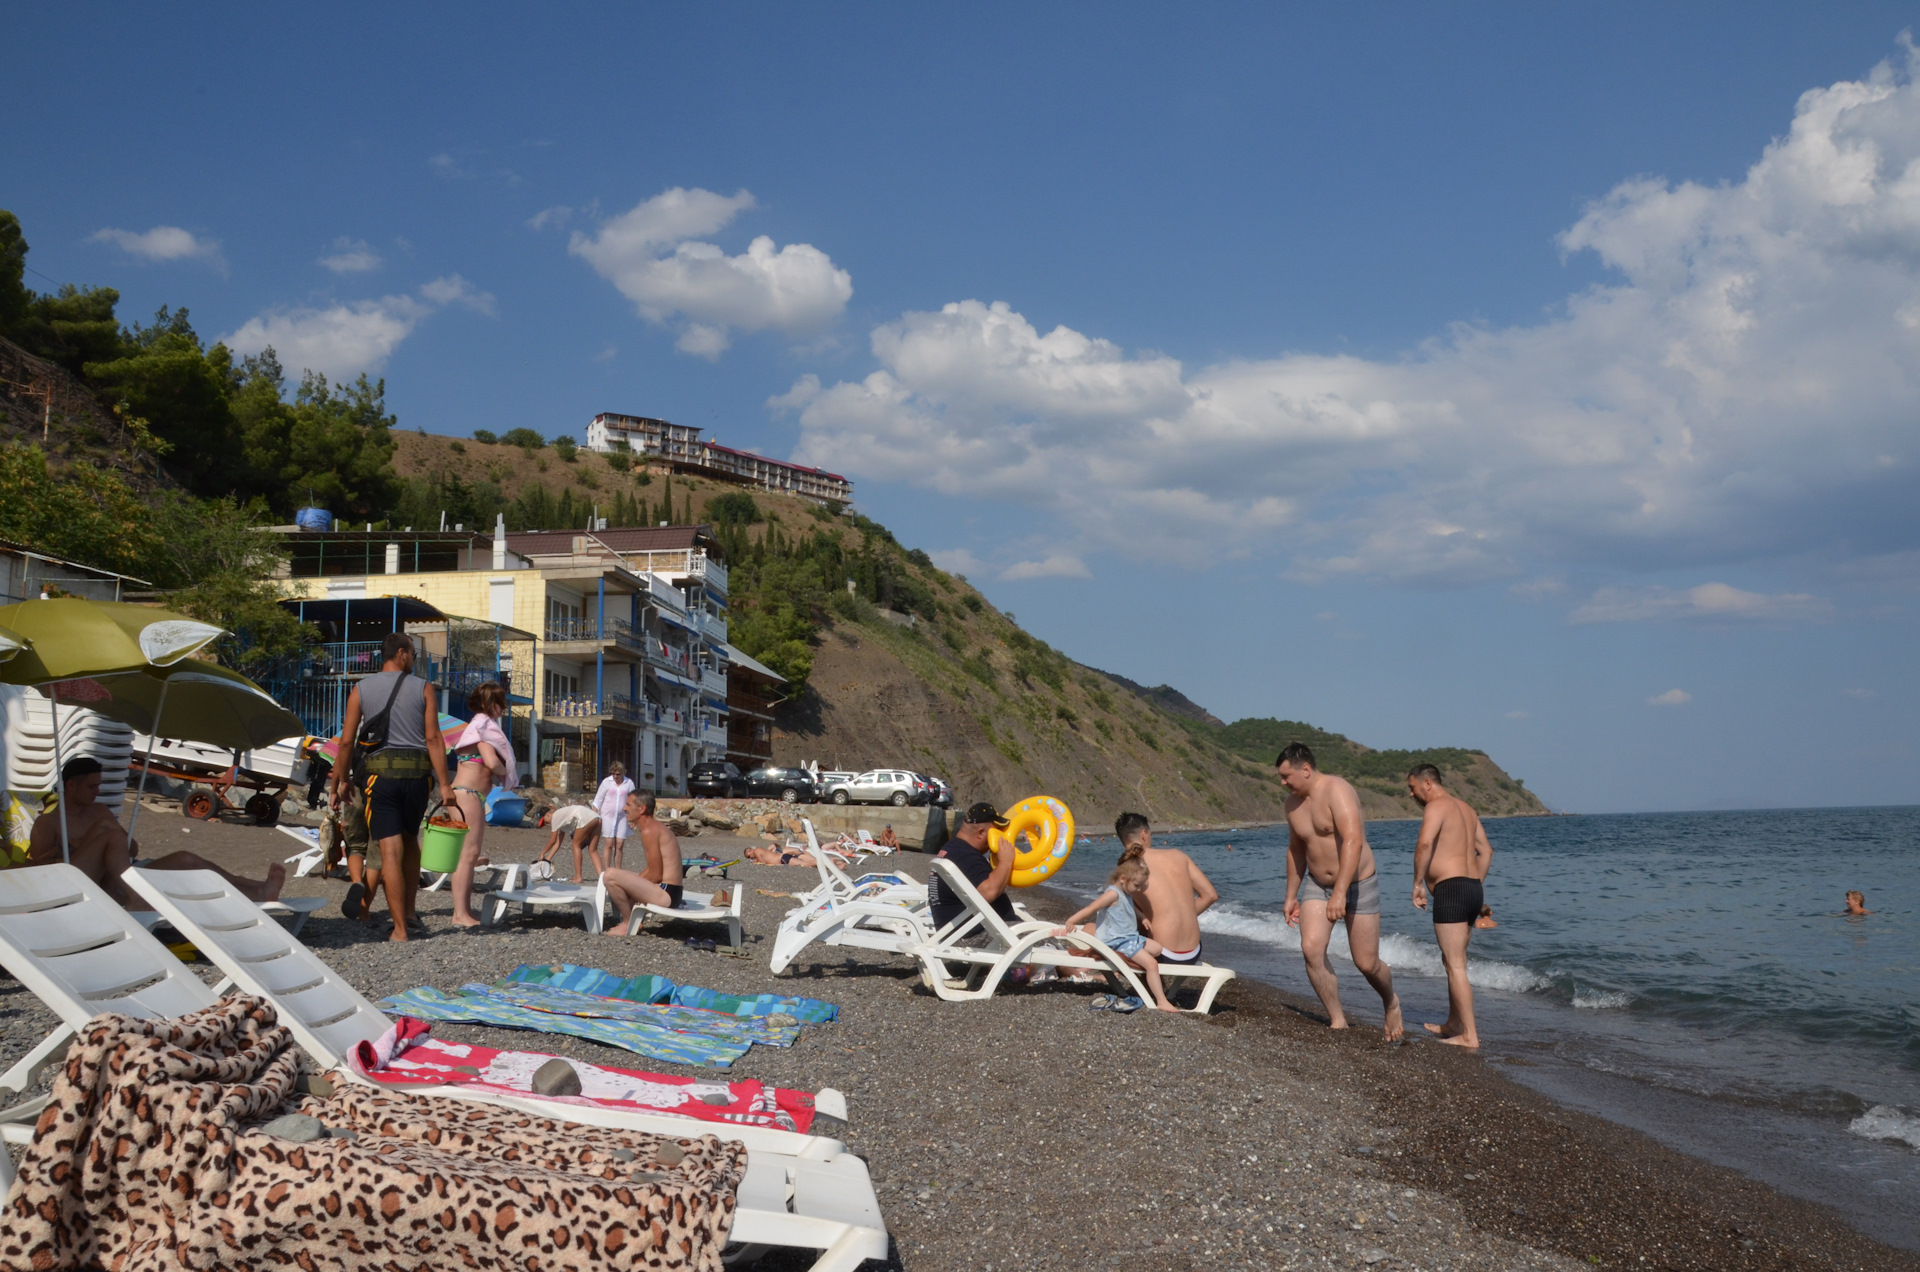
{"points": [[395, 776]]}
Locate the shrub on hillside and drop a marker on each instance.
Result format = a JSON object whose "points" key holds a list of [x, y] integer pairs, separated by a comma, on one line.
{"points": [[486, 435], [524, 438], [565, 447]]}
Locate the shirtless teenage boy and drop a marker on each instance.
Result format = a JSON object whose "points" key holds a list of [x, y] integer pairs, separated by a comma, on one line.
{"points": [[1176, 892], [99, 847], [661, 883], [1330, 865], [1451, 860]]}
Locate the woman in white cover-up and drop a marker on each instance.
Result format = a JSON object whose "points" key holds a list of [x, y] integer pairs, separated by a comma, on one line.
{"points": [[610, 801]]}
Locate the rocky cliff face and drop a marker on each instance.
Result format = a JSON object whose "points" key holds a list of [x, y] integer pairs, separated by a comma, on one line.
{"points": [[883, 695]]}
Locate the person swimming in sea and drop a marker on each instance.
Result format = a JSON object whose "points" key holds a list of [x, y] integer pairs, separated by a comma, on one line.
{"points": [[1486, 919], [1856, 904]]}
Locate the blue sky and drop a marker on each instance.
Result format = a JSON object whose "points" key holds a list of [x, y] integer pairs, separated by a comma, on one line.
{"points": [[1518, 378]]}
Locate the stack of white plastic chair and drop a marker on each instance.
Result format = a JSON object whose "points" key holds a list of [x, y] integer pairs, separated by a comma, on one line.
{"points": [[28, 718]]}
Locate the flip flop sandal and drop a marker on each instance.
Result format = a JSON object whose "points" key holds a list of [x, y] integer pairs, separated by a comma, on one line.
{"points": [[1128, 1005], [354, 906], [1101, 1002]]}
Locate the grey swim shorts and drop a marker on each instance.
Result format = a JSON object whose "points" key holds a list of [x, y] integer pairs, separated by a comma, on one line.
{"points": [[1363, 895]]}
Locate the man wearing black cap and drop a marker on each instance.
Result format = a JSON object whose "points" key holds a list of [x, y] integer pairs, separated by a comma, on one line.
{"points": [[968, 850]]}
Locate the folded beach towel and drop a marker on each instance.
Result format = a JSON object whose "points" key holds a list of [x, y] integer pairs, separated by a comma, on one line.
{"points": [[689, 1020], [646, 1038], [407, 1056], [808, 1011], [151, 1157], [591, 980], [658, 989]]}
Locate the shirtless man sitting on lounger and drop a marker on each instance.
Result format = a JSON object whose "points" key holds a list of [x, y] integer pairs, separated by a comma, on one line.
{"points": [[99, 847], [1177, 891], [1330, 863], [660, 883]]}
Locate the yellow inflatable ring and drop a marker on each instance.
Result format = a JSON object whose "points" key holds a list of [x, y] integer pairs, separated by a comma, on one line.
{"points": [[1048, 826]]}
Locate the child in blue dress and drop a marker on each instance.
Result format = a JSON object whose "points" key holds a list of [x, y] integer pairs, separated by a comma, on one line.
{"points": [[1118, 926]]}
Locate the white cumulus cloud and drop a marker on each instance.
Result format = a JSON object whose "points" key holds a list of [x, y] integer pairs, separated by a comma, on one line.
{"points": [[1060, 565], [1671, 698], [656, 255], [1709, 601], [344, 340], [164, 243], [1742, 389], [351, 256]]}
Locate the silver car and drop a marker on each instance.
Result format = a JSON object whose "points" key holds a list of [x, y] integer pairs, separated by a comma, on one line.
{"points": [[879, 786]]}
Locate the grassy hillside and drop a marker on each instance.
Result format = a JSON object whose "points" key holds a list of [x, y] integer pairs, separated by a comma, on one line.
{"points": [[934, 677]]}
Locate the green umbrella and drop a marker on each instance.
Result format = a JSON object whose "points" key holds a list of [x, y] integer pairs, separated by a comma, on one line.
{"points": [[68, 639], [194, 701]]}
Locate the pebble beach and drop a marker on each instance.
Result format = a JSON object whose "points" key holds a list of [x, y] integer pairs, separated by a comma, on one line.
{"points": [[1028, 1131]]}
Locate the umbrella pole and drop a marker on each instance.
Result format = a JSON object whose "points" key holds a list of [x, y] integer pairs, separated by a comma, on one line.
{"points": [[59, 776], [152, 738]]}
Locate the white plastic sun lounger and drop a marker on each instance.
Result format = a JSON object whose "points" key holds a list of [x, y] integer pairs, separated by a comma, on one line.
{"points": [[801, 1191], [79, 953], [547, 895], [694, 907], [1010, 945], [887, 913], [311, 854]]}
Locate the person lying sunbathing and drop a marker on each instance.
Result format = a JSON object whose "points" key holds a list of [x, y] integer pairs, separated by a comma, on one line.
{"points": [[100, 849], [775, 856]]}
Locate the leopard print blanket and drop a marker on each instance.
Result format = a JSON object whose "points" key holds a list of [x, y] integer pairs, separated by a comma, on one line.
{"points": [[149, 1158]]}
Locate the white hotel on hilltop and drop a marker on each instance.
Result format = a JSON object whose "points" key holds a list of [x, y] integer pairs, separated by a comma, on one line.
{"points": [[678, 446]]}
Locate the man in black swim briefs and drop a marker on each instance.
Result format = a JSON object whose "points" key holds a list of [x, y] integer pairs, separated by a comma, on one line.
{"points": [[1450, 861], [660, 884]]}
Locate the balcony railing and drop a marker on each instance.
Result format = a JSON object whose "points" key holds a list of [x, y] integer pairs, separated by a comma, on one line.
{"points": [[667, 656], [611, 706], [618, 631]]}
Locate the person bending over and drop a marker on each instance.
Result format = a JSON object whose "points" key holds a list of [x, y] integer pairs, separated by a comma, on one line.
{"points": [[100, 849], [1177, 891], [1119, 925], [660, 884], [581, 825], [1330, 866], [1451, 860]]}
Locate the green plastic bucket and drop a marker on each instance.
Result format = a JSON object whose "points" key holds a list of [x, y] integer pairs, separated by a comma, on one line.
{"points": [[440, 845]]}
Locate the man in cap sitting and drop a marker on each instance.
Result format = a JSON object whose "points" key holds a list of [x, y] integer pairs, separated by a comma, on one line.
{"points": [[968, 850]]}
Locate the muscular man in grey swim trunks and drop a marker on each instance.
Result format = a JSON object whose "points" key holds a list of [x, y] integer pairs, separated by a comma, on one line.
{"points": [[1330, 864]]}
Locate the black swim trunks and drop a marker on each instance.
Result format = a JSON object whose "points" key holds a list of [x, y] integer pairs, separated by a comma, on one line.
{"points": [[396, 805], [1457, 900], [673, 891]]}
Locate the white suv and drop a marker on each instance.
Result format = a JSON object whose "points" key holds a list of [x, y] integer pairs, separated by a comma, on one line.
{"points": [[879, 786]]}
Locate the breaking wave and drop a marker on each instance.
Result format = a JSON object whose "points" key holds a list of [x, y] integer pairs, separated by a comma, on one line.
{"points": [[1888, 1122], [1420, 958], [1600, 999]]}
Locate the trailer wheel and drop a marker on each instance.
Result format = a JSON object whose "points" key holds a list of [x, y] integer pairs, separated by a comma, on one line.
{"points": [[200, 804], [264, 809]]}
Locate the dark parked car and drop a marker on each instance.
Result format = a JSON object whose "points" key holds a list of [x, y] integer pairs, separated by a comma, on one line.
{"points": [[793, 785], [717, 779]]}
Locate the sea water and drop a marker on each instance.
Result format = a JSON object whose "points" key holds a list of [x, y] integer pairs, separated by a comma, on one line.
{"points": [[1687, 974]]}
